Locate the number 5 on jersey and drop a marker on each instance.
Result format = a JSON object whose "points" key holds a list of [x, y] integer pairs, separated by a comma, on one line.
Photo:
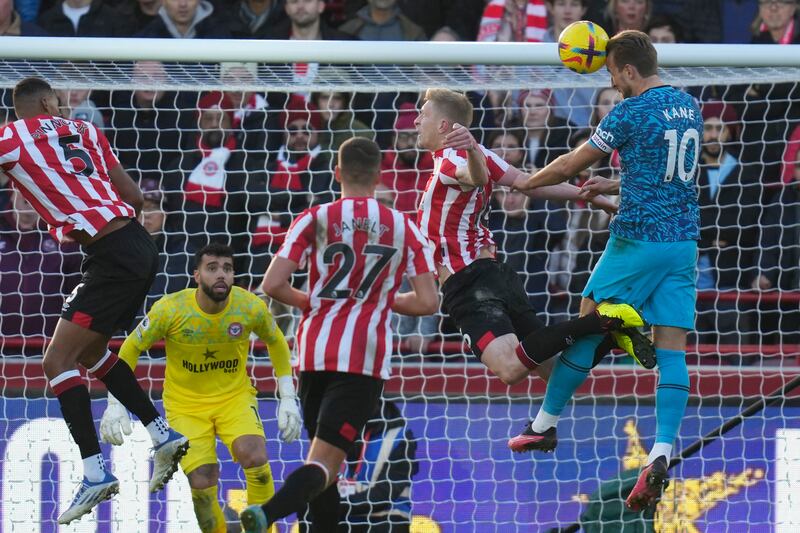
{"points": [[679, 153]]}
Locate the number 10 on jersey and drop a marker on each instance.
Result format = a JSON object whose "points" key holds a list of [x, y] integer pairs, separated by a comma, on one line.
{"points": [[678, 152]]}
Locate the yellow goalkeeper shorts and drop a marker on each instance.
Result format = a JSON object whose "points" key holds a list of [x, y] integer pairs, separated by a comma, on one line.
{"points": [[227, 420]]}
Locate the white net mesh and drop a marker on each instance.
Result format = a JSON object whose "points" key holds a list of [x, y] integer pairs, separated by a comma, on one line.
{"points": [[282, 126]]}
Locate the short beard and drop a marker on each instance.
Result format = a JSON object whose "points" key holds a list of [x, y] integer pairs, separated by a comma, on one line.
{"points": [[409, 157], [212, 138], [209, 291]]}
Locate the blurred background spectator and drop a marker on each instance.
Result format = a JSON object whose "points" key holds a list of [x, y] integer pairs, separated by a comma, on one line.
{"points": [[546, 135], [664, 29], [627, 15], [405, 169], [149, 125], [173, 258], [84, 18], [337, 121], [776, 22], [252, 19], [186, 19], [513, 21], [77, 104], [13, 25], [207, 183], [139, 13], [728, 199], [35, 272], [381, 20]]}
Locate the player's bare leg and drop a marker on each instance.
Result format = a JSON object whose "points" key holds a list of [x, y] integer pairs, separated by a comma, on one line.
{"points": [[500, 357], [312, 484], [672, 394], [203, 485]]}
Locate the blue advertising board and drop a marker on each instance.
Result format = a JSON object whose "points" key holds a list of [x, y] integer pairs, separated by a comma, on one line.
{"points": [[468, 480]]}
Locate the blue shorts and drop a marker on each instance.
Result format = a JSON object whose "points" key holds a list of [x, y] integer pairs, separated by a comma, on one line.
{"points": [[657, 278]]}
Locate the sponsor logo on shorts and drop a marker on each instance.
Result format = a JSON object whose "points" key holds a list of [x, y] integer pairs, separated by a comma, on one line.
{"points": [[235, 330]]}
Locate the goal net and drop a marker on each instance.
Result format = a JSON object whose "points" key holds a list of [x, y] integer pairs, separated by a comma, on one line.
{"points": [[229, 149]]}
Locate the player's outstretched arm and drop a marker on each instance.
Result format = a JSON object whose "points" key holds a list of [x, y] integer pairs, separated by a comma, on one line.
{"points": [[422, 300], [276, 283], [476, 173], [562, 168], [128, 190]]}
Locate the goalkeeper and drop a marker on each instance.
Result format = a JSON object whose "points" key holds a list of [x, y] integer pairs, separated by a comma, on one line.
{"points": [[207, 391]]}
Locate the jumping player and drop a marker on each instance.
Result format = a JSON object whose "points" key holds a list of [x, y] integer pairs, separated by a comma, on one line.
{"points": [[651, 258], [67, 171]]}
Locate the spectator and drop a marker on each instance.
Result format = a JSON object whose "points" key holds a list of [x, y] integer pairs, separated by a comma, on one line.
{"points": [[381, 20], [604, 102], [35, 274], [728, 199], [173, 258], [84, 18], [703, 22], [574, 105], [304, 23], [768, 110], [186, 19], [547, 135], [776, 22], [463, 16], [255, 126], [147, 125], [445, 34], [790, 155], [664, 29], [375, 486], [585, 238], [508, 145], [12, 24], [276, 198], [77, 105], [140, 13], [627, 15], [337, 121], [252, 19], [207, 184], [405, 169], [520, 237], [513, 21]]}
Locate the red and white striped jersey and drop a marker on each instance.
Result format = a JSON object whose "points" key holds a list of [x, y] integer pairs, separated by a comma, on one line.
{"points": [[451, 214], [61, 167], [357, 251]]}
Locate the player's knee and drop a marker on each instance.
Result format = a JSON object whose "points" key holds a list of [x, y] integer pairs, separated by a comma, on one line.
{"points": [[204, 476], [251, 458], [511, 375], [55, 362]]}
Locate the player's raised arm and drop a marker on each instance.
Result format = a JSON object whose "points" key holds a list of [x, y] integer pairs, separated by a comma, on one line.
{"points": [[476, 172], [563, 168], [565, 192]]}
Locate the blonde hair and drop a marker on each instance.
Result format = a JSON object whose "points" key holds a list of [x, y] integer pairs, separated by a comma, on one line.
{"points": [[453, 105]]}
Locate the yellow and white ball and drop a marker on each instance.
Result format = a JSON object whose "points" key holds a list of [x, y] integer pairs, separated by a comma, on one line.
{"points": [[582, 47]]}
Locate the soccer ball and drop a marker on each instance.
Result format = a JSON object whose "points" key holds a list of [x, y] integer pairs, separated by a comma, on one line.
{"points": [[582, 47]]}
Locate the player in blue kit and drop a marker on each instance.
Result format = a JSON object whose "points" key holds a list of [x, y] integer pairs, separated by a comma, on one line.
{"points": [[651, 257]]}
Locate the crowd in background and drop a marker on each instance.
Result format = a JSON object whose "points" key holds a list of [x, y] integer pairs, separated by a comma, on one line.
{"points": [[237, 166]]}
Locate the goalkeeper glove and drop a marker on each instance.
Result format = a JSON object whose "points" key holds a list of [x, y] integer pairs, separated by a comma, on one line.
{"points": [[289, 421], [115, 422]]}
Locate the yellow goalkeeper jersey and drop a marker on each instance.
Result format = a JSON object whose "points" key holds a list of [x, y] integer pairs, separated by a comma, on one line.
{"points": [[207, 354]]}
